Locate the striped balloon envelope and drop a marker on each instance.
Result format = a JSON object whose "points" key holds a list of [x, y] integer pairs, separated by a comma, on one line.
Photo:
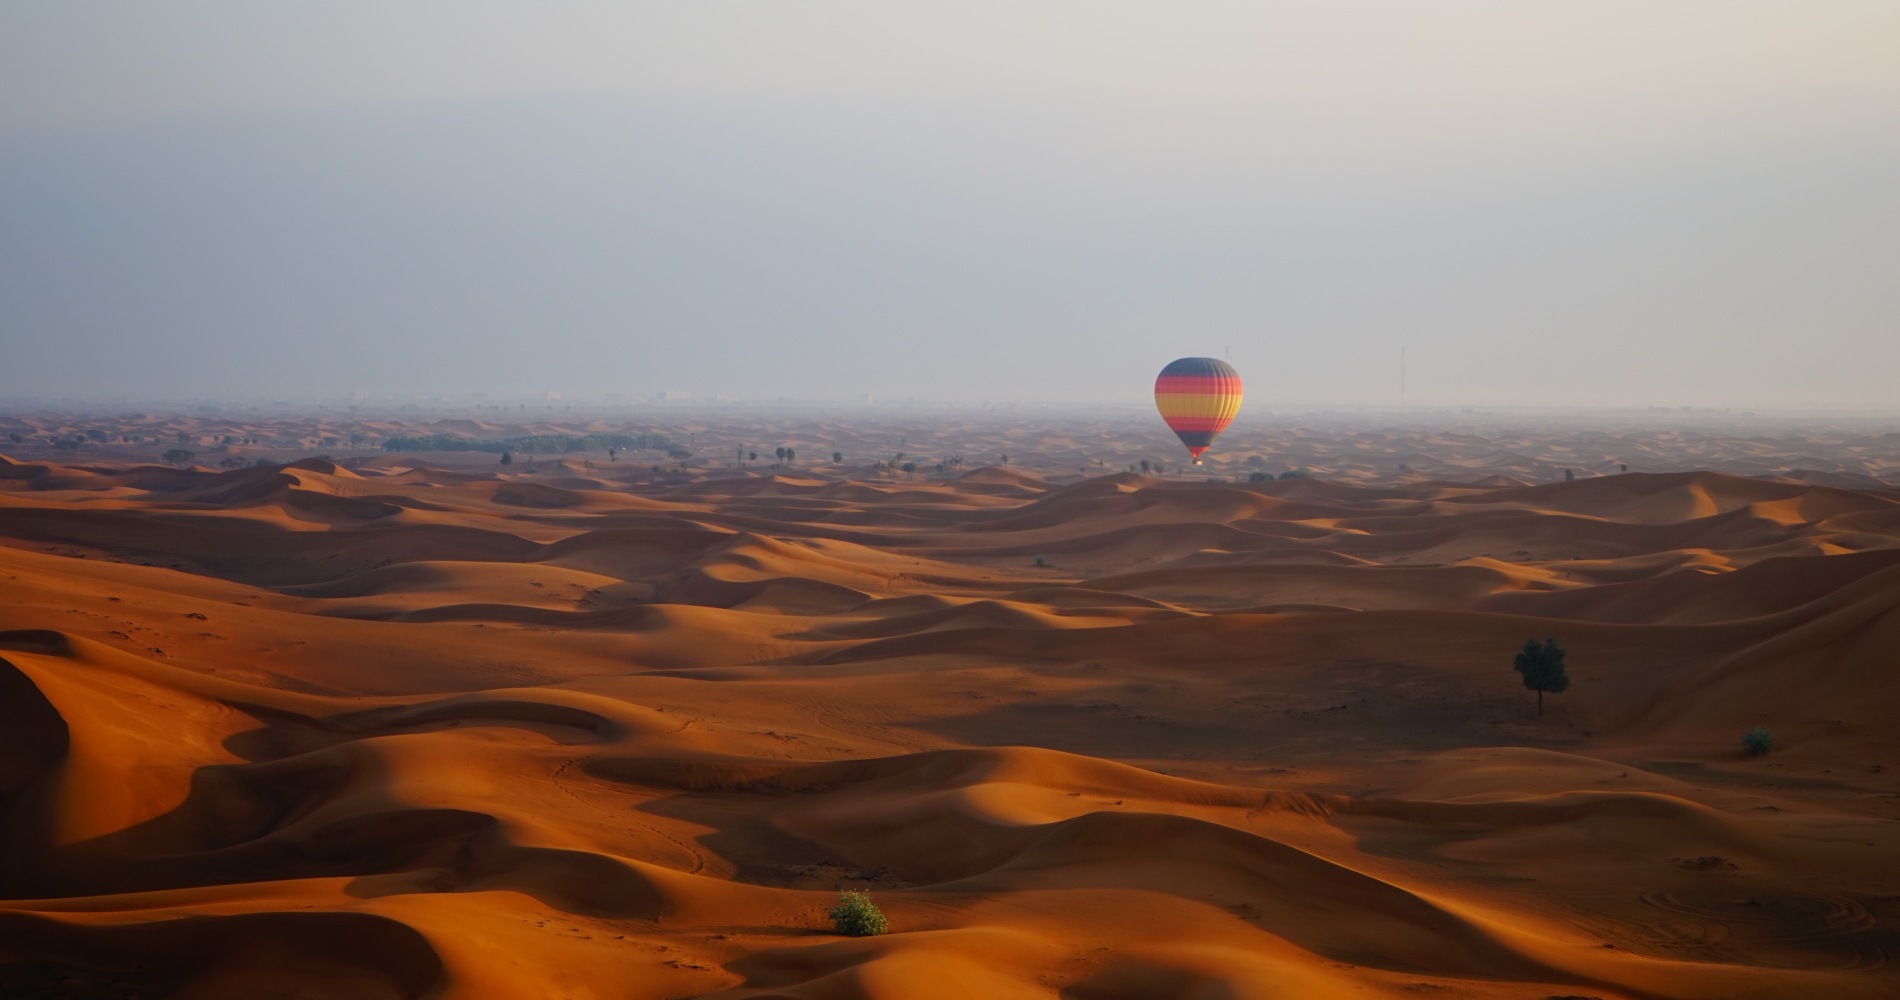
{"points": [[1198, 398]]}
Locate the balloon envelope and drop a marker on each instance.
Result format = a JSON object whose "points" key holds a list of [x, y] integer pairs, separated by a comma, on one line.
{"points": [[1198, 398]]}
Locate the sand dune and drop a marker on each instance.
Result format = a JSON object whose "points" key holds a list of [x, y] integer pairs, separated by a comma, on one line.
{"points": [[445, 729]]}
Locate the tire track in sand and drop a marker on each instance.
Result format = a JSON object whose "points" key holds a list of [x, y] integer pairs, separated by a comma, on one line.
{"points": [[699, 860]]}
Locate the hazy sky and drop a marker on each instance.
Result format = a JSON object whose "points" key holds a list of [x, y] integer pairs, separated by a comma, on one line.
{"points": [[1585, 203]]}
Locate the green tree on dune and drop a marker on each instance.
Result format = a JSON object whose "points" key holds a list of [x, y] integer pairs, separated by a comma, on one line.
{"points": [[1542, 664]]}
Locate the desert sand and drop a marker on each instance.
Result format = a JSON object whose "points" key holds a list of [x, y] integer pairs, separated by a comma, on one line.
{"points": [[422, 725]]}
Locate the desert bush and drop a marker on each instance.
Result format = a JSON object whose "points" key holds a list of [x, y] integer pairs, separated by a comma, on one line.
{"points": [[1757, 741], [1042, 561], [179, 456], [856, 916], [1258, 477]]}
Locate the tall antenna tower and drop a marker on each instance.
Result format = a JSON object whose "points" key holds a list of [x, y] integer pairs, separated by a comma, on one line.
{"points": [[1401, 373]]}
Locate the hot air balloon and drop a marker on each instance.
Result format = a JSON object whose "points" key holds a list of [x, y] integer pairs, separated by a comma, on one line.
{"points": [[1198, 398]]}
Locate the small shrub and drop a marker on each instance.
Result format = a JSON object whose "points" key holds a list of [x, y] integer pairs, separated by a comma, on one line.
{"points": [[856, 916], [1258, 477], [1042, 561], [1757, 741]]}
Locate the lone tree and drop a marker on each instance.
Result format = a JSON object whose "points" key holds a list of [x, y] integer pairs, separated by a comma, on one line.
{"points": [[1542, 664]]}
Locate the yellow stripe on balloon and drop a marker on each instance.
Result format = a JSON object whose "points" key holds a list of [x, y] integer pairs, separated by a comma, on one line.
{"points": [[1198, 404]]}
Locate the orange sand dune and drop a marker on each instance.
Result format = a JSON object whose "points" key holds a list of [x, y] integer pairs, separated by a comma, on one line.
{"points": [[450, 729]]}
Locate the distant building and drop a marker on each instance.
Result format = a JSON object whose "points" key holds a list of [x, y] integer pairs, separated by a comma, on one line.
{"points": [[554, 395], [360, 395], [672, 396]]}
